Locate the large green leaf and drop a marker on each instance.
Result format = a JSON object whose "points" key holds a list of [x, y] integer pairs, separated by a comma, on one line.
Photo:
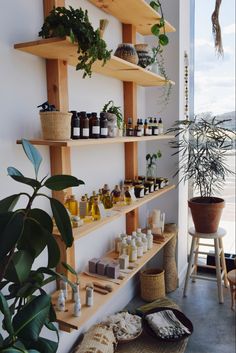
{"points": [[13, 171], [42, 217], [62, 220], [11, 227], [28, 181], [61, 182], [46, 346], [7, 315], [33, 154], [19, 267], [8, 203], [13, 350], [28, 322], [53, 251], [33, 239]]}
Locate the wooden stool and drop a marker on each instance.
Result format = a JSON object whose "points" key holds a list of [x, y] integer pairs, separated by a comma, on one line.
{"points": [[232, 282], [220, 265]]}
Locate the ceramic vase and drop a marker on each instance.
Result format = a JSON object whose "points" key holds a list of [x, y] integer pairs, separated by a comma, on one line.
{"points": [[126, 51]]}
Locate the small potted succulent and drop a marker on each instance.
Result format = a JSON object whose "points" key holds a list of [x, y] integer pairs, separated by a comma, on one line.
{"points": [[202, 144], [115, 119]]}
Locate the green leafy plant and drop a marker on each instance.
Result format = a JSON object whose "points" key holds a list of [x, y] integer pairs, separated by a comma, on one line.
{"points": [[159, 29], [24, 233], [111, 108], [150, 158], [75, 23], [202, 145]]}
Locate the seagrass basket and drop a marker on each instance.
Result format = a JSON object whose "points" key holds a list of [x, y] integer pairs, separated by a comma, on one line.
{"points": [[152, 284], [56, 125]]}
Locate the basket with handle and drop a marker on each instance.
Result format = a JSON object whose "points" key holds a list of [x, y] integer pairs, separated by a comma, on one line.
{"points": [[55, 125], [152, 284]]}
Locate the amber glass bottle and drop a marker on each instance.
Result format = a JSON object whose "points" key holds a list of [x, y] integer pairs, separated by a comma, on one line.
{"points": [[95, 213], [75, 126], [95, 133], [73, 206], [84, 126], [103, 125], [116, 194], [130, 129]]}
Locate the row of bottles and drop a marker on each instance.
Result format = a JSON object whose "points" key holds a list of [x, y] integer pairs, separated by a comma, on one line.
{"points": [[84, 126], [133, 246], [148, 127]]}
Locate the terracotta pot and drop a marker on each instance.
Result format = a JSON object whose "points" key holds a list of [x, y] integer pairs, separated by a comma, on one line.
{"points": [[206, 213]]}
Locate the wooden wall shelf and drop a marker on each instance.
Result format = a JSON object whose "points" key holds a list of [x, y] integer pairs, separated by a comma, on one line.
{"points": [[63, 49], [66, 319], [118, 211], [101, 141], [135, 12]]}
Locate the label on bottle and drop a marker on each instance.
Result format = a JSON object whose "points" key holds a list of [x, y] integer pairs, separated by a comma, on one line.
{"points": [[96, 130], [155, 131], [76, 131], [102, 210], [161, 130], [139, 133], [82, 209], [133, 197], [152, 188], [140, 251], [141, 193], [104, 131], [85, 132], [134, 255]]}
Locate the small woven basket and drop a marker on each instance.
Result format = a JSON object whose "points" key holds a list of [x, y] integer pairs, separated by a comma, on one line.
{"points": [[152, 284], [56, 125]]}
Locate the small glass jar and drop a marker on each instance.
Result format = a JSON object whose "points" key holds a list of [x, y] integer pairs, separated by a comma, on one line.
{"points": [[150, 185], [139, 191], [142, 178], [160, 182], [137, 182]]}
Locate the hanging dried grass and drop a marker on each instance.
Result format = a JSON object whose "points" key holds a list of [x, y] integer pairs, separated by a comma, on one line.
{"points": [[216, 30]]}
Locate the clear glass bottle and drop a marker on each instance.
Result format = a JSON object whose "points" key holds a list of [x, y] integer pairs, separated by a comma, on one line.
{"points": [[127, 196], [107, 200], [149, 239], [84, 126], [139, 245], [91, 200], [103, 125], [124, 247], [160, 127], [133, 251], [95, 213], [75, 125], [95, 126], [73, 206], [155, 130], [145, 244], [118, 242]]}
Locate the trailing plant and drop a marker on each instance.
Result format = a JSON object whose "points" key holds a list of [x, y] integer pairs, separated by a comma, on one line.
{"points": [[110, 107], [25, 232], [159, 29], [75, 23], [202, 144]]}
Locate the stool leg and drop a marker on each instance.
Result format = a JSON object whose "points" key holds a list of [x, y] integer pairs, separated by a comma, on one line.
{"points": [[233, 295], [193, 245], [195, 258], [218, 272], [223, 264]]}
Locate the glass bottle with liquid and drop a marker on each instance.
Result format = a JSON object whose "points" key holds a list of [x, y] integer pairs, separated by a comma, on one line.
{"points": [[75, 126], [116, 194], [147, 131], [103, 125], [149, 239], [133, 251], [95, 213], [95, 126], [139, 245], [73, 206], [160, 127], [155, 130], [118, 242], [90, 202], [124, 248], [130, 129], [83, 207], [138, 129], [107, 200], [84, 126], [127, 196]]}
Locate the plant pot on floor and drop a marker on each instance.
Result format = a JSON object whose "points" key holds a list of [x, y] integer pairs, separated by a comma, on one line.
{"points": [[56, 125], [206, 213]]}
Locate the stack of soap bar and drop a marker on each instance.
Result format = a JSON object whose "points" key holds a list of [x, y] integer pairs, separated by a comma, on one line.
{"points": [[124, 261], [113, 270], [102, 266], [93, 265]]}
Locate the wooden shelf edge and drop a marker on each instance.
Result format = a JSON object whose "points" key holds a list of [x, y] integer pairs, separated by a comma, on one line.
{"points": [[84, 230], [78, 143], [101, 300]]}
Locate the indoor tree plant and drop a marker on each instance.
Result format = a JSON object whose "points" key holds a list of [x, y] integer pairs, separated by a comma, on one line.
{"points": [[24, 233], [75, 23], [202, 144]]}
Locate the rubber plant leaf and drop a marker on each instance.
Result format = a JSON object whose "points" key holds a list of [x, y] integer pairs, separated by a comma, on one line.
{"points": [[9, 203], [28, 181], [33, 154], [19, 267], [7, 315], [46, 346], [10, 224], [28, 322], [61, 182], [62, 220], [13, 171]]}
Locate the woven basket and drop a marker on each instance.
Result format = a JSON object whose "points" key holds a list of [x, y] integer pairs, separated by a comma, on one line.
{"points": [[152, 284], [56, 125]]}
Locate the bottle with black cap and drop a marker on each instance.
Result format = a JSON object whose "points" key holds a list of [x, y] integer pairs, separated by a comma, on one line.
{"points": [[103, 125], [75, 126], [84, 126], [95, 126]]}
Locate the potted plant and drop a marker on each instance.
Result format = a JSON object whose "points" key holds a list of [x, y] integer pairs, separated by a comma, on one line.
{"points": [[25, 232], [114, 113], [202, 145], [75, 23]]}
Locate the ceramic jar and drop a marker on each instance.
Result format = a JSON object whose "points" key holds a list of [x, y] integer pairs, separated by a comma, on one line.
{"points": [[126, 51], [144, 55]]}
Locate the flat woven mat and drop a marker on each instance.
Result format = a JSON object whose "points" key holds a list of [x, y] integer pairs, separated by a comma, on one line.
{"points": [[149, 344]]}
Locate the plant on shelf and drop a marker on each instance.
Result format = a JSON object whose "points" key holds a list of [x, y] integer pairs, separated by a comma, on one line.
{"points": [[158, 61], [151, 163], [111, 108], [75, 23], [202, 145], [25, 233]]}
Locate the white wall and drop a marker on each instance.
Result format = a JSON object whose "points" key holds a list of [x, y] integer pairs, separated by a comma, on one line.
{"points": [[23, 87]]}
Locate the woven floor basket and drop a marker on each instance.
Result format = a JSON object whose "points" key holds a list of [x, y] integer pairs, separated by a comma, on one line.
{"points": [[56, 125], [152, 284]]}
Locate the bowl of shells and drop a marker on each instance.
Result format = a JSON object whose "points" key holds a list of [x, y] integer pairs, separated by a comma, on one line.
{"points": [[126, 327]]}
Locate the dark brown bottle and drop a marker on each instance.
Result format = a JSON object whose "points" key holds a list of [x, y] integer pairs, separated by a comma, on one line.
{"points": [[103, 125], [84, 126], [130, 129], [75, 125], [95, 126]]}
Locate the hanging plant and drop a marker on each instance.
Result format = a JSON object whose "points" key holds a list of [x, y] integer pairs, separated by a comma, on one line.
{"points": [[75, 23], [216, 30]]}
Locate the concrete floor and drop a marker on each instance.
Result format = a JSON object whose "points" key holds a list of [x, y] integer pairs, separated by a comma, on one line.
{"points": [[214, 323]]}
